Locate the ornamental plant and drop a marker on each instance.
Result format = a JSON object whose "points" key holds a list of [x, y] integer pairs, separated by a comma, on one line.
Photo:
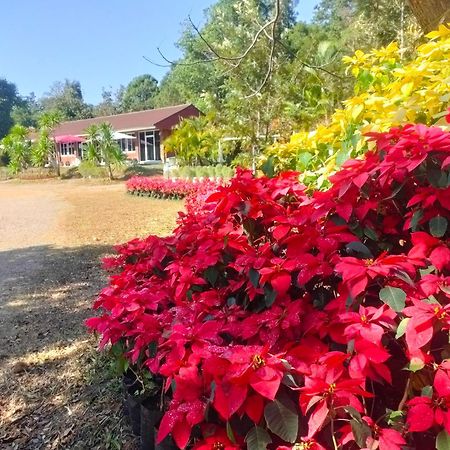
{"points": [[285, 319], [168, 188], [388, 92]]}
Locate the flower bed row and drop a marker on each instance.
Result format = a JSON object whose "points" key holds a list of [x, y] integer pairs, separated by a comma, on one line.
{"points": [[283, 319], [169, 188]]}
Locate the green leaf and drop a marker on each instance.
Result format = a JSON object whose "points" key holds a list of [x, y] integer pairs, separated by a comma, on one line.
{"points": [[269, 297], [370, 233], [268, 167], [361, 431], [281, 420], [427, 391], [417, 216], [211, 274], [254, 276], [443, 441], [415, 365], [438, 226], [230, 433], [401, 329], [394, 297], [303, 159], [394, 417], [359, 248], [353, 412], [257, 439]]}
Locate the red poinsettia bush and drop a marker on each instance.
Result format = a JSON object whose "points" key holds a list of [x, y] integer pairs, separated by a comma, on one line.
{"points": [[160, 187], [286, 319]]}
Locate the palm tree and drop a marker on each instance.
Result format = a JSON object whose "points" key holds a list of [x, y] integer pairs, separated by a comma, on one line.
{"points": [[46, 147], [102, 147], [17, 145]]}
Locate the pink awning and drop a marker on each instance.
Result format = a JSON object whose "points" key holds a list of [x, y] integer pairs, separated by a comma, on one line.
{"points": [[68, 138]]}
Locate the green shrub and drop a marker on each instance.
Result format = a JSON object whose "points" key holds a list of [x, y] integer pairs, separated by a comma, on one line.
{"points": [[218, 171], [88, 169]]}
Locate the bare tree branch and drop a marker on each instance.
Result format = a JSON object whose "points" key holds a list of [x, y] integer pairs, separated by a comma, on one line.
{"points": [[268, 30]]}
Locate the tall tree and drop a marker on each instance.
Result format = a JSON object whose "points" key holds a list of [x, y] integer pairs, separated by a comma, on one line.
{"points": [[102, 147], [17, 146], [8, 97], [139, 94], [109, 104], [46, 147], [430, 13], [26, 111], [67, 98]]}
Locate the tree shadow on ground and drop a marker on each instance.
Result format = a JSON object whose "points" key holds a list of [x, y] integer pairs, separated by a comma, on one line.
{"points": [[45, 295], [57, 391]]}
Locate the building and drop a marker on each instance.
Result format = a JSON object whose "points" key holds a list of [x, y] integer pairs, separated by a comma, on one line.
{"points": [[140, 134]]}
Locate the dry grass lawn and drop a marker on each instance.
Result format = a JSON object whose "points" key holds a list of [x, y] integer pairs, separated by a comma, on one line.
{"points": [[57, 392]]}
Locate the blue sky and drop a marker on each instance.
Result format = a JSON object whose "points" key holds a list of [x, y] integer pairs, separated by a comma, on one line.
{"points": [[101, 43]]}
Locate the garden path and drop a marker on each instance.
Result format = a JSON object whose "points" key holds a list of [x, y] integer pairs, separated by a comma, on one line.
{"points": [[56, 390]]}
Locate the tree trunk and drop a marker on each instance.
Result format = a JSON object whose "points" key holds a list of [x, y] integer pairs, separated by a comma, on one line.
{"points": [[111, 176], [430, 13]]}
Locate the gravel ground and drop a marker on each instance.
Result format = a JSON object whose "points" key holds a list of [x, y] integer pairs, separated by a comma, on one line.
{"points": [[57, 391]]}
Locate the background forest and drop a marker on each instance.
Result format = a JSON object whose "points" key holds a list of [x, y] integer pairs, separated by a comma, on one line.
{"points": [[307, 78]]}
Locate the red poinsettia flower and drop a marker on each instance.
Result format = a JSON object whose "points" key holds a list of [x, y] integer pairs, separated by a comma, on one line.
{"points": [[425, 412], [278, 274], [356, 273], [368, 323], [383, 438], [423, 317], [180, 419], [427, 246], [216, 441], [238, 369], [329, 386]]}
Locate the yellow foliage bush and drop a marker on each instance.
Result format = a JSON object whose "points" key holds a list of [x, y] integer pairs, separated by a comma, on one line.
{"points": [[388, 92]]}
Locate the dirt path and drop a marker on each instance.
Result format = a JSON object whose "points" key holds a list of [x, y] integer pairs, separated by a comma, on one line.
{"points": [[56, 391]]}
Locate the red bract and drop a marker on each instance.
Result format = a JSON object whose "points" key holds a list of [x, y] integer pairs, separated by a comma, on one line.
{"points": [[217, 441], [172, 188], [239, 369], [425, 412], [273, 313], [356, 273], [384, 438]]}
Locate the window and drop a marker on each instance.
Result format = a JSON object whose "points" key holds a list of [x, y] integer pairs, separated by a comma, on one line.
{"points": [[127, 145], [67, 148], [149, 146]]}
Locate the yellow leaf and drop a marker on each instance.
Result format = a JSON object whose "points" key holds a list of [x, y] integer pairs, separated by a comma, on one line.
{"points": [[407, 88], [357, 110], [442, 32]]}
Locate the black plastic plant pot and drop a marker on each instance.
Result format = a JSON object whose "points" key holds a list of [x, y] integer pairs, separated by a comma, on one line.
{"points": [[130, 383], [150, 418], [166, 444], [134, 413]]}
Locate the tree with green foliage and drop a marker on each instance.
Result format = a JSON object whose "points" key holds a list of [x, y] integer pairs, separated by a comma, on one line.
{"points": [[45, 148], [194, 141], [17, 145], [139, 94], [365, 24], [67, 98], [8, 98], [110, 103], [26, 111], [102, 147]]}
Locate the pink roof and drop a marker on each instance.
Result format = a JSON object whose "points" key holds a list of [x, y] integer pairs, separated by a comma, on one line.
{"points": [[68, 138], [140, 120]]}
